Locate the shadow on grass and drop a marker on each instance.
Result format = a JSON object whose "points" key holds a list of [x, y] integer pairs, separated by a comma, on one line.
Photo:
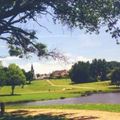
{"points": [[23, 115], [27, 115], [38, 117], [4, 95]]}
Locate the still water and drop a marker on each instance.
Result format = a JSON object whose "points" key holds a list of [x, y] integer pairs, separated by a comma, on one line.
{"points": [[106, 98]]}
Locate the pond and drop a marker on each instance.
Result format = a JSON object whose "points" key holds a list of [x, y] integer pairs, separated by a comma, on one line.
{"points": [[105, 98]]}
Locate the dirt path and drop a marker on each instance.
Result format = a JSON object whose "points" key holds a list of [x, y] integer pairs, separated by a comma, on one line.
{"points": [[71, 114], [68, 86]]}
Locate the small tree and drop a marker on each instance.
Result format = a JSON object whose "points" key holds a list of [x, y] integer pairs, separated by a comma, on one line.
{"points": [[116, 77], [15, 77], [29, 76]]}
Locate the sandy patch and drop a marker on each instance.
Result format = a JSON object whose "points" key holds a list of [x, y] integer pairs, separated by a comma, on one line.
{"points": [[71, 114]]}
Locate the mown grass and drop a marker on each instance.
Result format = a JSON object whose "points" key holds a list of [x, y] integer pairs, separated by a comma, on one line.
{"points": [[42, 90], [100, 107]]}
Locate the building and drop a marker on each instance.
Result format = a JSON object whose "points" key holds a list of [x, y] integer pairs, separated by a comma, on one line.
{"points": [[59, 74], [43, 76]]}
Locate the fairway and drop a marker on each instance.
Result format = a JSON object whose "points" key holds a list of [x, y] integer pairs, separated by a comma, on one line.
{"points": [[52, 89]]}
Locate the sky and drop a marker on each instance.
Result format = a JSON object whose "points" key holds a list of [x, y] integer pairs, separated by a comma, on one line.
{"points": [[75, 44]]}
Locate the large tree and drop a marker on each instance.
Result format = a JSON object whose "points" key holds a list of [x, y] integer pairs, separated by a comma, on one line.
{"points": [[88, 14], [98, 69], [80, 72]]}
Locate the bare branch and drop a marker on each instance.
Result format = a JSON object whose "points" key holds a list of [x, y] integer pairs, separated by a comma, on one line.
{"points": [[41, 25]]}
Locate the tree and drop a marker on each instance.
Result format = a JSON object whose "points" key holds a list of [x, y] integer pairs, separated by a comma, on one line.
{"points": [[29, 76], [98, 69], [85, 14], [116, 77], [2, 77], [15, 77], [112, 65], [80, 72]]}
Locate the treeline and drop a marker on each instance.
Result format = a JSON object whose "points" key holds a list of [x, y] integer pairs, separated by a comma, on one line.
{"points": [[97, 70], [14, 76]]}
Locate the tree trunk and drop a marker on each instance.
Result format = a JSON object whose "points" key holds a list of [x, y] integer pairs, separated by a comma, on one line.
{"points": [[2, 109], [13, 87]]}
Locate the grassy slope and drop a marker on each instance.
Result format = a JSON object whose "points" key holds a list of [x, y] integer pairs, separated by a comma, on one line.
{"points": [[42, 90]]}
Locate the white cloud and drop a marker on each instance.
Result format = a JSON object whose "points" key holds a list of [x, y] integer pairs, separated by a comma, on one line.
{"points": [[45, 66], [73, 59], [50, 65], [81, 58], [7, 60]]}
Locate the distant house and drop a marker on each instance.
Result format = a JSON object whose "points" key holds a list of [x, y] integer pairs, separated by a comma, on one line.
{"points": [[59, 74], [43, 76]]}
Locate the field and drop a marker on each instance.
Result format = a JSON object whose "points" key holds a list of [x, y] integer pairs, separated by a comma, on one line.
{"points": [[58, 89], [52, 89]]}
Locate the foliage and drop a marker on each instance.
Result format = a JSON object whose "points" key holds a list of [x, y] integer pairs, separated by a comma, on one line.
{"points": [[116, 77], [80, 72], [112, 65], [88, 14], [2, 77], [29, 76], [98, 69], [15, 77]]}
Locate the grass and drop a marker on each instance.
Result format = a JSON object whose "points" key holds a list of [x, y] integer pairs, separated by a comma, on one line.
{"points": [[100, 107], [62, 88]]}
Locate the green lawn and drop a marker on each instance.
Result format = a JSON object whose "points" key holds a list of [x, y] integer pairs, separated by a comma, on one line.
{"points": [[42, 90]]}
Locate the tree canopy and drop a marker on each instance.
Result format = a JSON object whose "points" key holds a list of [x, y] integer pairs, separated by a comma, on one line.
{"points": [[80, 72], [88, 14], [97, 70]]}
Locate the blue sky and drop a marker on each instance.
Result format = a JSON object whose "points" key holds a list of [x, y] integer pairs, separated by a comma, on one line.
{"points": [[75, 44]]}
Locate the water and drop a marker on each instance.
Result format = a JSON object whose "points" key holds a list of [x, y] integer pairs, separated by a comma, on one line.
{"points": [[106, 98]]}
